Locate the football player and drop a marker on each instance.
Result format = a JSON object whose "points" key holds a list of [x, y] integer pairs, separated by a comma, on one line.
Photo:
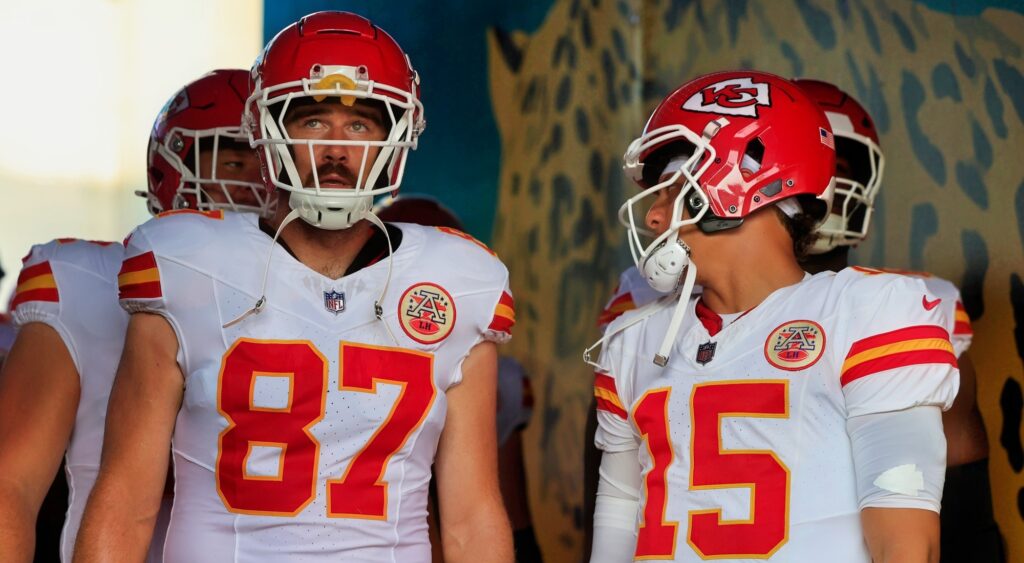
{"points": [[777, 415], [969, 530], [55, 388], [515, 397], [306, 369]]}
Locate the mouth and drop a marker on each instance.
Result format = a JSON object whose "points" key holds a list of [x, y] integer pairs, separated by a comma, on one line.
{"points": [[336, 181]]}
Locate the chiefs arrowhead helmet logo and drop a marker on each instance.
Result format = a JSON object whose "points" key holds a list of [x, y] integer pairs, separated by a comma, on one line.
{"points": [[736, 96]]}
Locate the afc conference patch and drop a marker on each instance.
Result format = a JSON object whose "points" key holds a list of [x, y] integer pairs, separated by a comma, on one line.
{"points": [[334, 301], [427, 313], [795, 345]]}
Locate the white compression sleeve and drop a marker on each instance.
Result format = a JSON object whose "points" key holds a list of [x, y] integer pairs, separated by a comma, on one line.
{"points": [[616, 508], [899, 457]]}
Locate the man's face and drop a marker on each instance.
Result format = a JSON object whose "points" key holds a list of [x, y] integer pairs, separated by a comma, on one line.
{"points": [[235, 161], [337, 166]]}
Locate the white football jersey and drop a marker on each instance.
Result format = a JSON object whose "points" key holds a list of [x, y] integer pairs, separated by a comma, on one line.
{"points": [[632, 292], [742, 436], [71, 286], [307, 431], [958, 323], [515, 398]]}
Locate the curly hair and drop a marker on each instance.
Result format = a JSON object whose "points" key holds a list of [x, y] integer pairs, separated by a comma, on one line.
{"points": [[802, 228]]}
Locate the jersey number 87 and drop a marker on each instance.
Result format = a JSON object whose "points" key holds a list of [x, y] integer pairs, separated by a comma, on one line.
{"points": [[361, 491]]}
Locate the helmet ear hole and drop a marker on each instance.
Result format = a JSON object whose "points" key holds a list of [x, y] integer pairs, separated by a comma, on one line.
{"points": [[753, 156]]}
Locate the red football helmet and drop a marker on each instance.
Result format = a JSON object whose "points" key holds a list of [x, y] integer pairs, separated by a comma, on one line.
{"points": [[736, 142], [860, 166], [333, 54], [418, 209], [204, 113]]}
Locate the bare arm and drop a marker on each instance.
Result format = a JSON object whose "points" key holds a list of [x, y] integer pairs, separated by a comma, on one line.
{"points": [[122, 510], [39, 391], [512, 480], [898, 535], [474, 526], [962, 423]]}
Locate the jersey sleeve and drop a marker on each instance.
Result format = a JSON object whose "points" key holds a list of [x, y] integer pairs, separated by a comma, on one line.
{"points": [[515, 398], [37, 296], [138, 282], [503, 319], [895, 351], [62, 284], [614, 433], [962, 333]]}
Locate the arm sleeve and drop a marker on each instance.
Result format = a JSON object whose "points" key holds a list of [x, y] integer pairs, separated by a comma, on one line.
{"points": [[899, 458], [616, 508], [895, 351]]}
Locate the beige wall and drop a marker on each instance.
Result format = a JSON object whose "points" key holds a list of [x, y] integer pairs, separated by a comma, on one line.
{"points": [[91, 76]]}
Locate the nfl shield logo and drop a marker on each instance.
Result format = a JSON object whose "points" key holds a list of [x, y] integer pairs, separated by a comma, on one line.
{"points": [[706, 352], [334, 301]]}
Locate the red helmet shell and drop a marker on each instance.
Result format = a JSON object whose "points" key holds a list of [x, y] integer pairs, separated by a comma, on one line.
{"points": [[421, 210], [334, 39], [833, 100], [753, 112], [214, 101]]}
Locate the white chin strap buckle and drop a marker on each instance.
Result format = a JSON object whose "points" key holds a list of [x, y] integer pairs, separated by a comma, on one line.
{"points": [[665, 265]]}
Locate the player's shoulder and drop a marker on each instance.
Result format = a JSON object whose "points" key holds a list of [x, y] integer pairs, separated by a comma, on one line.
{"points": [[857, 282], [444, 244], [184, 232], [654, 316], [99, 257]]}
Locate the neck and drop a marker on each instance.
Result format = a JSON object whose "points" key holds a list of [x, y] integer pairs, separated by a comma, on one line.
{"points": [[328, 252], [744, 266]]}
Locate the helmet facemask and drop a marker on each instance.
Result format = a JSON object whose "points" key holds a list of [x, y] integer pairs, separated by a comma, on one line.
{"points": [[195, 187], [334, 208], [663, 259], [849, 219]]}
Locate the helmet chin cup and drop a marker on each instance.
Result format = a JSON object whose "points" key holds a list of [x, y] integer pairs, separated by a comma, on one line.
{"points": [[330, 212], [665, 264]]}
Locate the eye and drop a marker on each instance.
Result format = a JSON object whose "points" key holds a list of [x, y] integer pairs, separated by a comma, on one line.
{"points": [[360, 126], [312, 123]]}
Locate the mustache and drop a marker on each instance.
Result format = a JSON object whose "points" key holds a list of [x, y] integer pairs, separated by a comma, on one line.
{"points": [[332, 168]]}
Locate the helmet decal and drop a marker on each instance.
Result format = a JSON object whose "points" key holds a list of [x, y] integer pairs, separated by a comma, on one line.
{"points": [[737, 96]]}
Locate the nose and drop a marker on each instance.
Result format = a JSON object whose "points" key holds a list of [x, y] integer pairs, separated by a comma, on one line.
{"points": [[335, 153], [658, 215]]}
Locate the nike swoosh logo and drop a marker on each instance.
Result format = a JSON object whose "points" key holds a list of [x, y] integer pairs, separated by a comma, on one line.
{"points": [[929, 305]]}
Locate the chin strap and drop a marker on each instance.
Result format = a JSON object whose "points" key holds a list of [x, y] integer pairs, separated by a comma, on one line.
{"points": [[682, 297], [262, 301], [661, 358], [378, 310]]}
